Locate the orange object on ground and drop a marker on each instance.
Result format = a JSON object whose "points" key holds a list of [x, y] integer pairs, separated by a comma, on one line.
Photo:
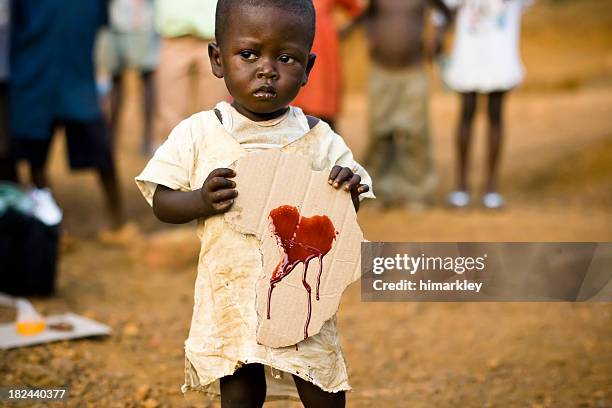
{"points": [[321, 96], [30, 328]]}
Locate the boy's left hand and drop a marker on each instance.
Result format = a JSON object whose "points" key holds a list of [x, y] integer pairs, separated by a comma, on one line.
{"points": [[344, 177]]}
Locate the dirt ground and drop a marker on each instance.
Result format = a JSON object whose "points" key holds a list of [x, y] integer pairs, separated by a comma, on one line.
{"points": [[557, 177]]}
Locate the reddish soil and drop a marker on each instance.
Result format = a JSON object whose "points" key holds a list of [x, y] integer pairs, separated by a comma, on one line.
{"points": [[557, 177]]}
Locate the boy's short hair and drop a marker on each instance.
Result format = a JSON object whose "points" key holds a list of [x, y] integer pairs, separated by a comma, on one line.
{"points": [[303, 8]]}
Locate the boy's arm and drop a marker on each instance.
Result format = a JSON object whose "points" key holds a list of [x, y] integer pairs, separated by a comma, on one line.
{"points": [[215, 197]]}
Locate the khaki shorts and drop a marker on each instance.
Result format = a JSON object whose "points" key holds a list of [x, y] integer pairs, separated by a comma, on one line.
{"points": [[117, 51]]}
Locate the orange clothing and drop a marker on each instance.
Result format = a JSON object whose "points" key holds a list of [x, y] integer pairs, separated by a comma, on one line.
{"points": [[321, 95]]}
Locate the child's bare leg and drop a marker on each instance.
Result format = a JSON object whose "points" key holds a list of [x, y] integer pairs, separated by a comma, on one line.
{"points": [[495, 138], [116, 101], [246, 388], [313, 397], [464, 137], [110, 185], [148, 95]]}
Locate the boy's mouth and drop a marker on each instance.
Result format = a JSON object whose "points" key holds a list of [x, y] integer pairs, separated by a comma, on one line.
{"points": [[265, 93]]}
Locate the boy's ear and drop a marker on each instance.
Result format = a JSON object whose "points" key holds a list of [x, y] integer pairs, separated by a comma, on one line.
{"points": [[214, 53], [309, 65]]}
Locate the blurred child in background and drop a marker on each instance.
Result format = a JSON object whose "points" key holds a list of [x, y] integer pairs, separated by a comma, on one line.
{"points": [[321, 96], [53, 84], [130, 42], [485, 59], [184, 80], [400, 157]]}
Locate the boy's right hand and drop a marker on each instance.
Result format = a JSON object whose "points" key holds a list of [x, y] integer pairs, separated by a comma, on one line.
{"points": [[218, 192]]}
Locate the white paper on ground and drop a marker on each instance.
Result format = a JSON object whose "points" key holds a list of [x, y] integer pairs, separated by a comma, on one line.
{"points": [[82, 327]]}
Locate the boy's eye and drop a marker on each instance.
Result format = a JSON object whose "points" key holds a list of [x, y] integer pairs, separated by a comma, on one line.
{"points": [[248, 55], [286, 59]]}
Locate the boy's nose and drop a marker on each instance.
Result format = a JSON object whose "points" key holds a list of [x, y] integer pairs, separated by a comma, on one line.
{"points": [[267, 70]]}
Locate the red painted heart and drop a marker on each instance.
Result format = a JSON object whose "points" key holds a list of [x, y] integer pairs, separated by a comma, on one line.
{"points": [[301, 240]]}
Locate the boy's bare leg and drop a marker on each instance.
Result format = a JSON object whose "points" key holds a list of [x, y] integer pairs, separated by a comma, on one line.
{"points": [[110, 185], [495, 139], [314, 397], [116, 101], [148, 95], [464, 138], [246, 388]]}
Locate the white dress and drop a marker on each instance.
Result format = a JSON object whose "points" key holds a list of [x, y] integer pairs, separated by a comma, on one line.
{"points": [[224, 321], [485, 56]]}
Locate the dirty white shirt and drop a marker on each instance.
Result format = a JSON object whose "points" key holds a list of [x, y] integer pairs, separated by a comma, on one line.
{"points": [[223, 327]]}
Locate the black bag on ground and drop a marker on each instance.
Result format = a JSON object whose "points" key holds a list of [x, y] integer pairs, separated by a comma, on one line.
{"points": [[28, 255]]}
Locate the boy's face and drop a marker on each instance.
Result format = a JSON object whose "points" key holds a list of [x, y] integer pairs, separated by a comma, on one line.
{"points": [[265, 59]]}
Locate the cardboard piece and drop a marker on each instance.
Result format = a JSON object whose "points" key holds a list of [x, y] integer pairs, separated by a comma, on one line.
{"points": [[271, 179], [81, 327]]}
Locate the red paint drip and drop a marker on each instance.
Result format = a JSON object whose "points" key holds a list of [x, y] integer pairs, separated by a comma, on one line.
{"points": [[302, 239]]}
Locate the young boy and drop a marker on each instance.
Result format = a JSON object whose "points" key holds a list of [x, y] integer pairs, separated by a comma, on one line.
{"points": [[262, 51], [400, 152]]}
